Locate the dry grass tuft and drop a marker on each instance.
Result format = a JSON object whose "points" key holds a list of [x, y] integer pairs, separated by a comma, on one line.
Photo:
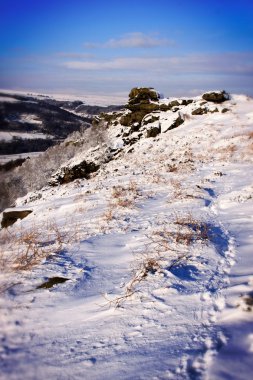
{"points": [[125, 196], [167, 248], [22, 248]]}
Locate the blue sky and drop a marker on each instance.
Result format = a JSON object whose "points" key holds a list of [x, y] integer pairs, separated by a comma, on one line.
{"points": [[107, 47]]}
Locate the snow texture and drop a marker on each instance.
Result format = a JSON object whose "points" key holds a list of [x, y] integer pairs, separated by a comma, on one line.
{"points": [[167, 225]]}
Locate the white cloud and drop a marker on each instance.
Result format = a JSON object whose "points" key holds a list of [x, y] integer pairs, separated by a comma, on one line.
{"points": [[132, 40], [137, 40], [227, 63], [74, 55]]}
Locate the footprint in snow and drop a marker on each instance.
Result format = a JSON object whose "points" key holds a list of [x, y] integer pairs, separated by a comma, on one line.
{"points": [[89, 362]]}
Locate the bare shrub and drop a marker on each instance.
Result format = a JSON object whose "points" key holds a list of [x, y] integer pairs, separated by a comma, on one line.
{"points": [[145, 266], [194, 229], [178, 191], [166, 248], [125, 196], [23, 248], [108, 214], [225, 152], [158, 179], [250, 135], [173, 168]]}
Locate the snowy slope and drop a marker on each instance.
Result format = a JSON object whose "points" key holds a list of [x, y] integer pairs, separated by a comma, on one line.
{"points": [[156, 251]]}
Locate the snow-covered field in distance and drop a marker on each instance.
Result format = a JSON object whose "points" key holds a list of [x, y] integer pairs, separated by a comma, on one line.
{"points": [[7, 99], [90, 99], [8, 136], [167, 225], [9, 157]]}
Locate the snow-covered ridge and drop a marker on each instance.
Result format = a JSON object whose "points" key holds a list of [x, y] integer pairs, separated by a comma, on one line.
{"points": [[162, 229]]}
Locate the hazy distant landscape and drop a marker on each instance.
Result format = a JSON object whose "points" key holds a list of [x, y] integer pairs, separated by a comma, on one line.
{"points": [[31, 123]]}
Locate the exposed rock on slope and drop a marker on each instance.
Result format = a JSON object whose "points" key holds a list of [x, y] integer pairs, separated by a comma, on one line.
{"points": [[11, 216], [216, 97], [81, 167], [145, 116], [141, 102]]}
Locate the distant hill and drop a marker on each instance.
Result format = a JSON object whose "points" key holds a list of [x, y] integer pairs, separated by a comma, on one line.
{"points": [[33, 123]]}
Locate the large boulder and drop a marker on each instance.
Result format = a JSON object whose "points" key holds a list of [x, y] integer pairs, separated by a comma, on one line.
{"points": [[143, 94], [11, 216], [142, 101], [216, 96]]}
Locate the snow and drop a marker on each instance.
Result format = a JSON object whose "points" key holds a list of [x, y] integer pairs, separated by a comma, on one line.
{"points": [[187, 318], [9, 157], [7, 99], [102, 99], [29, 118], [8, 136]]}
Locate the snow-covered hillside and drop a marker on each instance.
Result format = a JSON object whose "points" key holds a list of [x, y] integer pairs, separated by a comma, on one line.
{"points": [[143, 268]]}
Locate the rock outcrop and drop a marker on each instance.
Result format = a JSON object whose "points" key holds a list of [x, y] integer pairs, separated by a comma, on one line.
{"points": [[216, 96], [142, 101], [146, 115], [11, 216], [68, 174], [81, 167]]}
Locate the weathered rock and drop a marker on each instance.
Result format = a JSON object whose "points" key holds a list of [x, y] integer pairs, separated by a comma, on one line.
{"points": [[132, 139], [143, 107], [216, 97], [70, 173], [172, 122], [153, 130], [164, 107], [174, 103], [185, 102], [83, 166], [225, 110], [199, 111], [141, 94], [51, 282], [142, 101], [214, 110], [11, 216], [133, 117], [150, 119], [135, 127]]}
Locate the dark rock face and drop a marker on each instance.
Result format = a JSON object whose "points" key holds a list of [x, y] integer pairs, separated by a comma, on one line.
{"points": [[216, 97], [185, 102], [51, 282], [138, 95], [10, 217], [153, 131], [150, 119], [164, 107], [199, 111], [68, 174], [176, 123], [141, 102], [174, 103], [133, 117]]}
